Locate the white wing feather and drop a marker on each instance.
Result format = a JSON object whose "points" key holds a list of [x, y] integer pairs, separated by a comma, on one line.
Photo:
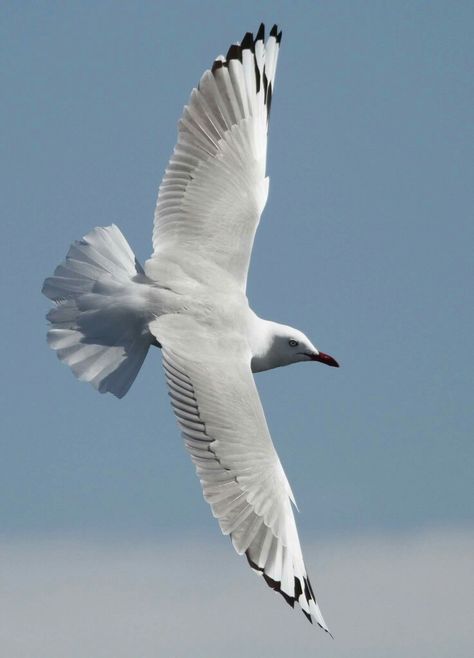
{"points": [[214, 189], [218, 409]]}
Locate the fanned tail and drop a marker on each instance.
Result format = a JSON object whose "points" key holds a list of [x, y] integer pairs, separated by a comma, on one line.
{"points": [[98, 326]]}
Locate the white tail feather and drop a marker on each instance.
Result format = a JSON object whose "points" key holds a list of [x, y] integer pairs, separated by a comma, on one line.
{"points": [[98, 327]]}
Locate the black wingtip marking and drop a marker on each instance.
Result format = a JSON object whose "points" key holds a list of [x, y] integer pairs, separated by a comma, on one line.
{"points": [[252, 563], [310, 588], [291, 600], [298, 588], [234, 52], [279, 36], [327, 631], [257, 76], [269, 99], [274, 584], [274, 31], [307, 590], [261, 33], [247, 42], [308, 616], [218, 64]]}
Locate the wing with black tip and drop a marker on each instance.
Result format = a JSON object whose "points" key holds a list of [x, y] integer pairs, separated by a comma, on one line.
{"points": [[215, 186], [218, 408]]}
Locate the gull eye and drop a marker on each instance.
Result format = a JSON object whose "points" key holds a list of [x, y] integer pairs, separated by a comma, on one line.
{"points": [[292, 343]]}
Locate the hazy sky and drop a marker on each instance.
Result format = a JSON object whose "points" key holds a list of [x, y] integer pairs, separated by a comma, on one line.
{"points": [[122, 600], [366, 245]]}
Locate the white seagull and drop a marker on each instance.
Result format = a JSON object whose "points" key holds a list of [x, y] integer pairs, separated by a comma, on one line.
{"points": [[190, 301]]}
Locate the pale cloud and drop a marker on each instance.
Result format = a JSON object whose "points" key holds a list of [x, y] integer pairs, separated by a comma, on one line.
{"points": [[404, 596]]}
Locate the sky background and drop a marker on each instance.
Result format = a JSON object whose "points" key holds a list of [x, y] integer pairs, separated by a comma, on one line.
{"points": [[365, 244]]}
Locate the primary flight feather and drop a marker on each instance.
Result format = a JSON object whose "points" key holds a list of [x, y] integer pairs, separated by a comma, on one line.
{"points": [[190, 301]]}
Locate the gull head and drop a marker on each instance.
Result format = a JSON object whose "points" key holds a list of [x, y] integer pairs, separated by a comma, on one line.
{"points": [[283, 345]]}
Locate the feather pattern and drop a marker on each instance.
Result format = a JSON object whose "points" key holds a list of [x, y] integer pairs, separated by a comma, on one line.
{"points": [[190, 301], [215, 188], [98, 326], [224, 429]]}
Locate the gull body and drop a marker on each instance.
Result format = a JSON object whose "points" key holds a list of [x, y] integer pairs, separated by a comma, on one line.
{"points": [[190, 301]]}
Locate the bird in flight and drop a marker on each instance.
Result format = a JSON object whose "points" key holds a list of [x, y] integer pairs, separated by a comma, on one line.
{"points": [[190, 301]]}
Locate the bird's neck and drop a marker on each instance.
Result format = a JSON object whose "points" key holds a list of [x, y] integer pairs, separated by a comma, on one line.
{"points": [[262, 335]]}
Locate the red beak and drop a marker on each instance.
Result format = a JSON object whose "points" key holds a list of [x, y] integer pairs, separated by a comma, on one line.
{"points": [[325, 358]]}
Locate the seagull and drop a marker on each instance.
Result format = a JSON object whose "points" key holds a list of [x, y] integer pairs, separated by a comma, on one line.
{"points": [[190, 301]]}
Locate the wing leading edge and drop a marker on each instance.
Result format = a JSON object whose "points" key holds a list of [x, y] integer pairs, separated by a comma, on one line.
{"points": [[223, 425], [214, 189]]}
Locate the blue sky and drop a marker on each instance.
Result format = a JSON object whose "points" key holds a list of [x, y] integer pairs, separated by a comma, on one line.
{"points": [[365, 244]]}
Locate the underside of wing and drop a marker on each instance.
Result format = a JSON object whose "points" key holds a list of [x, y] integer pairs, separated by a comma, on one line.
{"points": [[222, 421], [214, 188]]}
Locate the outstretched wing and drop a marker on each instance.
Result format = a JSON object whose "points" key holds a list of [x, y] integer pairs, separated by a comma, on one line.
{"points": [[218, 408], [214, 189]]}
